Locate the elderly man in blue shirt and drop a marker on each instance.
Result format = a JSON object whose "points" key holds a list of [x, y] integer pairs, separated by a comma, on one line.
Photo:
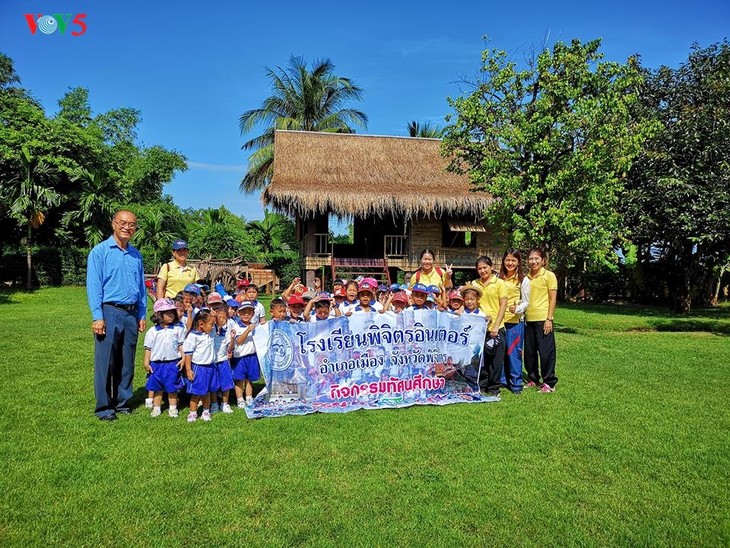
{"points": [[118, 302]]}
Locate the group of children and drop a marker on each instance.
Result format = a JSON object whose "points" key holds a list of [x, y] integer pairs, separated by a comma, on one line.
{"points": [[205, 346], [365, 295], [204, 343]]}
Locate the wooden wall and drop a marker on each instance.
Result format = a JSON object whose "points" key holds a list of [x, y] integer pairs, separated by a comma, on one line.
{"points": [[425, 233]]}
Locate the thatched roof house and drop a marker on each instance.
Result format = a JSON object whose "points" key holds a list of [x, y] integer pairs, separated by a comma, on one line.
{"points": [[352, 175], [395, 189]]}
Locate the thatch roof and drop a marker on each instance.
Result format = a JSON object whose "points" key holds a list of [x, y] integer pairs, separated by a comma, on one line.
{"points": [[364, 175]]}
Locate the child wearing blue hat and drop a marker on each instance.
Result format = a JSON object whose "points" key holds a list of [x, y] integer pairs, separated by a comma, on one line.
{"points": [[222, 377], [419, 296], [191, 294]]}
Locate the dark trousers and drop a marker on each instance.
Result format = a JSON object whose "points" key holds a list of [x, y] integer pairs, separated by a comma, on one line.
{"points": [[493, 365], [114, 361], [537, 344]]}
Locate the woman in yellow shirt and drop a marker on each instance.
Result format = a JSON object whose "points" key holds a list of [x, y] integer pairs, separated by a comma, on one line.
{"points": [[518, 297], [539, 335], [493, 303], [176, 274], [429, 274]]}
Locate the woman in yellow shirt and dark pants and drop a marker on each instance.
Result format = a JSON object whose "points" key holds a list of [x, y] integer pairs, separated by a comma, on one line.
{"points": [[539, 316], [493, 303]]}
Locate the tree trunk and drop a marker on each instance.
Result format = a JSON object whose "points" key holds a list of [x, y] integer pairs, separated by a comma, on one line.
{"points": [[716, 297], [29, 260]]}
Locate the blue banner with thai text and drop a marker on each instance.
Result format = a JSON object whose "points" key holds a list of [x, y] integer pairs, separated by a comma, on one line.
{"points": [[369, 361]]}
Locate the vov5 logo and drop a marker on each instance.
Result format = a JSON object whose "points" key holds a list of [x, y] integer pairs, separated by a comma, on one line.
{"points": [[48, 24]]}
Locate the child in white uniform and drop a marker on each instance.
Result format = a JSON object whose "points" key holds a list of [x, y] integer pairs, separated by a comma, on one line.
{"points": [[199, 348], [163, 356], [245, 363]]}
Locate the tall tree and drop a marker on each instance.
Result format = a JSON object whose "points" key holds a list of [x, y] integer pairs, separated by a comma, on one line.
{"points": [[95, 206], [677, 202], [74, 106], [302, 99], [552, 142], [30, 196]]}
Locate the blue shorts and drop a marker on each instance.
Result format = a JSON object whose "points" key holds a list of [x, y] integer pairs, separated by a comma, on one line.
{"points": [[165, 377], [246, 368], [222, 378], [202, 382]]}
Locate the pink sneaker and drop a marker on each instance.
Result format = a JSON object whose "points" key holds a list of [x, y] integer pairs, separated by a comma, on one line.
{"points": [[530, 385], [546, 389]]}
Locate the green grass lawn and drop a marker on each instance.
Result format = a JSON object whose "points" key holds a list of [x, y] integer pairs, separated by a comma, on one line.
{"points": [[633, 448]]}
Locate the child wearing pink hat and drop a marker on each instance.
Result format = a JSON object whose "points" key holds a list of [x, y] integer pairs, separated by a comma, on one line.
{"points": [[455, 303], [163, 356], [366, 296]]}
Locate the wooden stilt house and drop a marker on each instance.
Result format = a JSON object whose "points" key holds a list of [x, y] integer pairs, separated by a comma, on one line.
{"points": [[395, 191]]}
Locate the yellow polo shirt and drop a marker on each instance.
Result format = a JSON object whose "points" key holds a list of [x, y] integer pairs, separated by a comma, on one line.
{"points": [[432, 278], [513, 298], [493, 290], [176, 277], [540, 286]]}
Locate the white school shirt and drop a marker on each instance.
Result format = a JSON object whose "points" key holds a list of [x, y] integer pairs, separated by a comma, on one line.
{"points": [[184, 319], [476, 312], [346, 307], [164, 342], [259, 313], [222, 341], [247, 347], [201, 346]]}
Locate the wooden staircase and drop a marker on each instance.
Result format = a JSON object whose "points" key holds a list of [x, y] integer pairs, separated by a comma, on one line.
{"points": [[347, 268]]}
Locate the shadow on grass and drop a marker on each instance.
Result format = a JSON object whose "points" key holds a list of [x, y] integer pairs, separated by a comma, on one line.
{"points": [[691, 324], [570, 330], [638, 310], [6, 299]]}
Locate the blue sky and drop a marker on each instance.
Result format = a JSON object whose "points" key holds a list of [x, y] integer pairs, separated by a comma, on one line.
{"points": [[193, 67]]}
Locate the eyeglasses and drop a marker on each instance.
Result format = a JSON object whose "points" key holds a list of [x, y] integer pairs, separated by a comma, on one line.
{"points": [[127, 224]]}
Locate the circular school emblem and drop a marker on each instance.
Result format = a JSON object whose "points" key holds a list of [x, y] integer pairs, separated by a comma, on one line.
{"points": [[281, 350]]}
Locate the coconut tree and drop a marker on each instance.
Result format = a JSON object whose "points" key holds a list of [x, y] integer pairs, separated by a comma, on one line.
{"points": [[425, 130], [301, 99], [30, 196]]}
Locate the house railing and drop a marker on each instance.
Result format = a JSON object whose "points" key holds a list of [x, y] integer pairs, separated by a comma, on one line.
{"points": [[396, 246]]}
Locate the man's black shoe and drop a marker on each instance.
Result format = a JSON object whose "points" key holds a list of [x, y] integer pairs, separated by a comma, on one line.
{"points": [[110, 417]]}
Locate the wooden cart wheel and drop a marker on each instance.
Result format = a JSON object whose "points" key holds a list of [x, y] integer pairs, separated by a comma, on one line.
{"points": [[228, 279]]}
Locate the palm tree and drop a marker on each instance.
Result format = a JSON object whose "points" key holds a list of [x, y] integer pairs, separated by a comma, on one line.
{"points": [[153, 235], [425, 130], [96, 205], [302, 99], [30, 196], [267, 233]]}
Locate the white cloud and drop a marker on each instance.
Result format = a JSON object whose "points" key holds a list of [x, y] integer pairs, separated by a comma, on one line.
{"points": [[227, 168]]}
